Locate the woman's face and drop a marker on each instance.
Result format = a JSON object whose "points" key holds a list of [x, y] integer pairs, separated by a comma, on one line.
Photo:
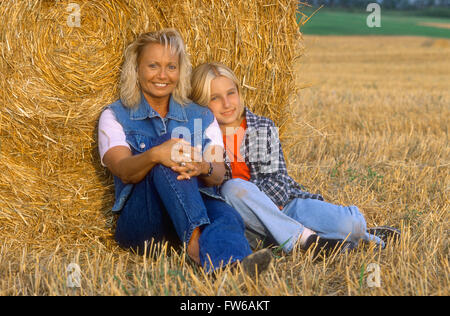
{"points": [[158, 72], [225, 102]]}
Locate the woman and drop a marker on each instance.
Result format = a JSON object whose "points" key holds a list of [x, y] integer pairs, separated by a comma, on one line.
{"points": [[157, 175], [271, 203]]}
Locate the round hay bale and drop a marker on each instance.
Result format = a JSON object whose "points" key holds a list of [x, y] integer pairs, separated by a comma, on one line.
{"points": [[60, 63]]}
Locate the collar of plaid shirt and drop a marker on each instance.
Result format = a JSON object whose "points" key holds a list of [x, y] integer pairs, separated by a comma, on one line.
{"points": [[263, 155]]}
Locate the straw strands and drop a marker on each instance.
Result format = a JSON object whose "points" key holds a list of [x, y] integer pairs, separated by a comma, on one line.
{"points": [[56, 76]]}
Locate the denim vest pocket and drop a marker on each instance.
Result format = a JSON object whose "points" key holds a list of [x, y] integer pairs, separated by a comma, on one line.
{"points": [[139, 142]]}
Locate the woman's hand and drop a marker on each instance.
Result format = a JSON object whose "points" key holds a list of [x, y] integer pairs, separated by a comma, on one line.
{"points": [[172, 153], [176, 151], [201, 167], [188, 162], [191, 169]]}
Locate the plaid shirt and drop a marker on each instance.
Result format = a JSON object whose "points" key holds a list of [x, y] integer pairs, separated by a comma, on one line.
{"points": [[263, 155]]}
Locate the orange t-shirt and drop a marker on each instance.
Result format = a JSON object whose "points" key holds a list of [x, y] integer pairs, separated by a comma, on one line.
{"points": [[232, 145]]}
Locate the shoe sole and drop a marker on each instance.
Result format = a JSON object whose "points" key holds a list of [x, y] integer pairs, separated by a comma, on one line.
{"points": [[257, 262], [321, 246], [385, 233], [319, 251]]}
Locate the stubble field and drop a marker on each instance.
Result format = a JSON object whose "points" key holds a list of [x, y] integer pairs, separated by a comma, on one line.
{"points": [[370, 129], [373, 132]]}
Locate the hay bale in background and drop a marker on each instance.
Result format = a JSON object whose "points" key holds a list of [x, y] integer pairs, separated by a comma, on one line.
{"points": [[56, 78]]}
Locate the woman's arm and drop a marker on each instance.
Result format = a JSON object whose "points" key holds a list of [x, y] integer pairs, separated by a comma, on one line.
{"points": [[127, 167], [133, 168]]}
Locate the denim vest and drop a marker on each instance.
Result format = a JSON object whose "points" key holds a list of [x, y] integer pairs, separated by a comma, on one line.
{"points": [[143, 124]]}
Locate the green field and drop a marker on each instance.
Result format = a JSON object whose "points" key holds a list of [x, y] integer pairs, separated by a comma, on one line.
{"points": [[336, 22]]}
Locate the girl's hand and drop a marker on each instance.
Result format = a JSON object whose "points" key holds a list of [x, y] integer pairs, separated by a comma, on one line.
{"points": [[191, 169]]}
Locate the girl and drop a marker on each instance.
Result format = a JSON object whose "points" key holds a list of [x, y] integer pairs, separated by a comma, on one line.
{"points": [[272, 204]]}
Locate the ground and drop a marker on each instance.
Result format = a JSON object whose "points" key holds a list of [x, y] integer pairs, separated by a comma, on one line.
{"points": [[371, 129]]}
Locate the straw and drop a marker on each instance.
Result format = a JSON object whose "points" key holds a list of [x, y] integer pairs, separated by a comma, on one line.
{"points": [[57, 77]]}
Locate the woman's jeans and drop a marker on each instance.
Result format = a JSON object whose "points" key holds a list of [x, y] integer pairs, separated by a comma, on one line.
{"points": [[161, 207], [264, 220]]}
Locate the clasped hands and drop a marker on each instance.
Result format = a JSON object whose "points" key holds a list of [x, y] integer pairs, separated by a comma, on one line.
{"points": [[182, 158]]}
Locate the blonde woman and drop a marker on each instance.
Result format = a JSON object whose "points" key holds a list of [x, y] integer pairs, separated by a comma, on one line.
{"points": [[165, 186], [274, 207]]}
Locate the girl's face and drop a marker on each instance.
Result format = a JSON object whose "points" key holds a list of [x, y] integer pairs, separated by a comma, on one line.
{"points": [[225, 102], [158, 72]]}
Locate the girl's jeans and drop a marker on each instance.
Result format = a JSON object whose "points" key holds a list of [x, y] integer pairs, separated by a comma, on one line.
{"points": [[264, 220], [161, 207]]}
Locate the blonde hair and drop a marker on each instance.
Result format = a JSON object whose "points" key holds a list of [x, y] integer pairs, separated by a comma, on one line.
{"points": [[201, 79], [130, 90]]}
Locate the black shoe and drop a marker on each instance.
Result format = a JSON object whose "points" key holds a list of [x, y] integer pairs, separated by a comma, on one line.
{"points": [[326, 246], [385, 233], [257, 262]]}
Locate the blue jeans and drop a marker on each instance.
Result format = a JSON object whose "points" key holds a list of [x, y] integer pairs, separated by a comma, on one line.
{"points": [[264, 220], [161, 207]]}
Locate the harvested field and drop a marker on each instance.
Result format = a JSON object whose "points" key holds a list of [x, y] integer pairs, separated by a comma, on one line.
{"points": [[438, 25], [60, 63], [370, 128]]}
